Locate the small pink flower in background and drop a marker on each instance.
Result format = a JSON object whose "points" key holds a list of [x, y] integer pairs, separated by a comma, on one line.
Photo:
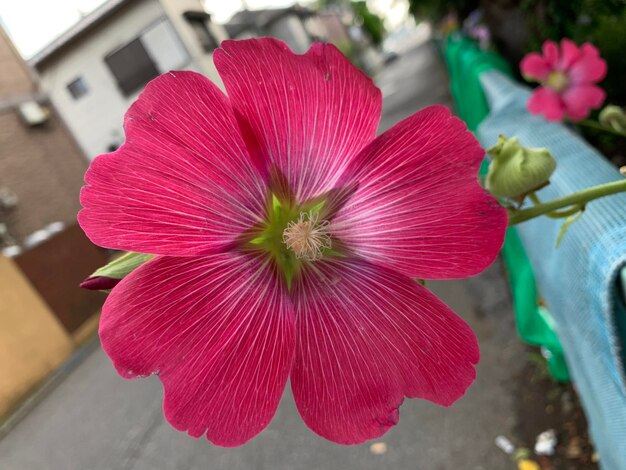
{"points": [[567, 76], [288, 237]]}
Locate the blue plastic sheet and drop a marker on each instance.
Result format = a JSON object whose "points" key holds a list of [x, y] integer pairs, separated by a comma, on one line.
{"points": [[580, 281]]}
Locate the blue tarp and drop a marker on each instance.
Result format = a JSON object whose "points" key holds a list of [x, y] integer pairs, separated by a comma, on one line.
{"points": [[579, 281]]}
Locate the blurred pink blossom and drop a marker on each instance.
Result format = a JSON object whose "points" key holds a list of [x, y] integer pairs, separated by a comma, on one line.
{"points": [[567, 76]]}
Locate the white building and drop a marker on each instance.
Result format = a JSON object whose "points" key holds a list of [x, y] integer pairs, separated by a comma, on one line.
{"points": [[295, 25], [95, 70]]}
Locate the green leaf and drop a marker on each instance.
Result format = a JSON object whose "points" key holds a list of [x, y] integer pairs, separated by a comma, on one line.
{"points": [[122, 266], [259, 240], [276, 204], [334, 253], [569, 221], [318, 207]]}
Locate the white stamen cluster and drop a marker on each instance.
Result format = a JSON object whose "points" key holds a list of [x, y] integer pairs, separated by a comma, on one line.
{"points": [[308, 236]]}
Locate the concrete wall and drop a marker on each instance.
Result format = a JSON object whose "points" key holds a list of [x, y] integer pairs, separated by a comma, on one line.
{"points": [[32, 342], [96, 118]]}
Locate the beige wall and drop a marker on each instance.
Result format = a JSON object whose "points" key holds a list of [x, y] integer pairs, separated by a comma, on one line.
{"points": [[32, 342]]}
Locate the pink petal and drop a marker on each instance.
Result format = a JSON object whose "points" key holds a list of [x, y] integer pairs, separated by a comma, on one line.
{"points": [[534, 67], [305, 115], [219, 333], [589, 49], [183, 182], [418, 207], [551, 54], [581, 99], [569, 53], [366, 338], [589, 68], [548, 103]]}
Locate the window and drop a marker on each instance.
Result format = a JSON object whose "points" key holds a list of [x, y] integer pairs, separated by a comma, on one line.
{"points": [[77, 88], [132, 67], [164, 46], [199, 23]]}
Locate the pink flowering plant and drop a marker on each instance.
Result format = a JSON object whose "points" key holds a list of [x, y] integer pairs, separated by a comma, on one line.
{"points": [[286, 239], [568, 77]]}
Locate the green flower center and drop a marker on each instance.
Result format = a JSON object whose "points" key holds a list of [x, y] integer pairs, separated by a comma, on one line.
{"points": [[294, 235], [557, 81]]}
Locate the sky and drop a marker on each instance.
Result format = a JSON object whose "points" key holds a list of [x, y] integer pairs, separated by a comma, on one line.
{"points": [[34, 23], [31, 32]]}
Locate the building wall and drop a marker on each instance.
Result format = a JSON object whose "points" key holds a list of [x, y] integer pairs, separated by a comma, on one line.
{"points": [[96, 118], [291, 30], [204, 60], [32, 342], [332, 28], [44, 168], [15, 77], [42, 165]]}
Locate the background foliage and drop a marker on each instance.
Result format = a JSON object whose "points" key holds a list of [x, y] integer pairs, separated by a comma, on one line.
{"points": [[601, 22]]}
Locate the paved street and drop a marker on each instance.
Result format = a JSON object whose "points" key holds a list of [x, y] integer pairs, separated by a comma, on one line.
{"points": [[95, 420]]}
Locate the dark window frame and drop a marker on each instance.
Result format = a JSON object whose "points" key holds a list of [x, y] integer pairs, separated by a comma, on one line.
{"points": [[198, 21], [131, 66], [77, 88]]}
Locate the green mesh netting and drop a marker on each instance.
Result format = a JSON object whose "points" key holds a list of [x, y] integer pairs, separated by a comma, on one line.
{"points": [[466, 61]]}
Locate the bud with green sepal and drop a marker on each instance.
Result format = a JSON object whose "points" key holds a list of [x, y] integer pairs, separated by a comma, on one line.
{"points": [[109, 275], [516, 171], [614, 117]]}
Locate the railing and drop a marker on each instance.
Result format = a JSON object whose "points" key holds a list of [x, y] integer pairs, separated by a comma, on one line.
{"points": [[580, 282]]}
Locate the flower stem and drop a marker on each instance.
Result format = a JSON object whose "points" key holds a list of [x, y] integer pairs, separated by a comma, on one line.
{"points": [[558, 214], [575, 209], [578, 198], [601, 127]]}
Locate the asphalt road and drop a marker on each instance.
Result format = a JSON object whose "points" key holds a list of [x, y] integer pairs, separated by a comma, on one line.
{"points": [[95, 420]]}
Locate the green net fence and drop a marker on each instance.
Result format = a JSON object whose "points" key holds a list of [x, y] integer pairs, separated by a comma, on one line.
{"points": [[465, 62]]}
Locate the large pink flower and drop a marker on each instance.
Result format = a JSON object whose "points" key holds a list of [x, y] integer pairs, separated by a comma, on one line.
{"points": [[567, 77], [288, 238]]}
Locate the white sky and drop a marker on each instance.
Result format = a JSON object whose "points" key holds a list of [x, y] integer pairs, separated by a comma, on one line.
{"points": [[34, 23]]}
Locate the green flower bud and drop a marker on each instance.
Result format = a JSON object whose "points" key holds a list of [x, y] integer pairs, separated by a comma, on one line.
{"points": [[109, 275], [613, 116], [515, 171]]}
